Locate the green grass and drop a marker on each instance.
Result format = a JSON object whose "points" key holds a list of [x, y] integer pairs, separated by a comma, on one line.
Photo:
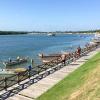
{"points": [[72, 82]]}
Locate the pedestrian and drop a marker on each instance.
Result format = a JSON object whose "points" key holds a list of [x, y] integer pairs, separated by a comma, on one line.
{"points": [[79, 51], [63, 58], [30, 67]]}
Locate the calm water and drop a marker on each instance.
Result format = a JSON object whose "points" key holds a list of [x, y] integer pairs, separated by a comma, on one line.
{"points": [[31, 45]]}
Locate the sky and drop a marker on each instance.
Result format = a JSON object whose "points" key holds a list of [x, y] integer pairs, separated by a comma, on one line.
{"points": [[49, 15]]}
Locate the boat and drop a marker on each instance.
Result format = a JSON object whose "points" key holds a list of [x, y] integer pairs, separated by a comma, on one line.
{"points": [[15, 62], [96, 41], [96, 38], [97, 35], [50, 57], [51, 34]]}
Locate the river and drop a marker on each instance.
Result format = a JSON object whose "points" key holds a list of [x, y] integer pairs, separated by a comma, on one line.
{"points": [[30, 45]]}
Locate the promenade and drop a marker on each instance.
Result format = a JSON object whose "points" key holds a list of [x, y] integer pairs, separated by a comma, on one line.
{"points": [[37, 89]]}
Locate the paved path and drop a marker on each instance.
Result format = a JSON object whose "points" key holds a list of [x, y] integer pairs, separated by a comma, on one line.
{"points": [[35, 90]]}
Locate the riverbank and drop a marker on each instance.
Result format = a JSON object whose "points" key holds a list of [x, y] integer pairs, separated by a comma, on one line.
{"points": [[35, 90], [82, 84]]}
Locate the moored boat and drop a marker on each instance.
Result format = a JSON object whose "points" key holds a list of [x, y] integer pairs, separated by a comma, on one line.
{"points": [[96, 38], [15, 62], [51, 34], [50, 57]]}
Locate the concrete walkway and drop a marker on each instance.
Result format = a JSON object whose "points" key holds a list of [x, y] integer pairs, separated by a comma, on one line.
{"points": [[35, 90]]}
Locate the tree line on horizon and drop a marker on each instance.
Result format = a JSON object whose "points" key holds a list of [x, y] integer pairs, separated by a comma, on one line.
{"points": [[24, 32], [12, 32]]}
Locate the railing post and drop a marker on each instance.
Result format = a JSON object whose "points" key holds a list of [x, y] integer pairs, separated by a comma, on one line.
{"points": [[18, 78], [5, 83], [29, 71]]}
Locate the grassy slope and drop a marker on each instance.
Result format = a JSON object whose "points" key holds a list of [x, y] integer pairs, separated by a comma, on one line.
{"points": [[82, 84]]}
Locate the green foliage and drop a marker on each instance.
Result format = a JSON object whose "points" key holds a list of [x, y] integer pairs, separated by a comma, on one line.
{"points": [[11, 33]]}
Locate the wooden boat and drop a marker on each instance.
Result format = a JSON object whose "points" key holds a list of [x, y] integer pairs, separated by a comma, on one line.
{"points": [[15, 62], [50, 57]]}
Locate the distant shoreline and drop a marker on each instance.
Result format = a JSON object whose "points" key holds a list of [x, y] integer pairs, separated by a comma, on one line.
{"points": [[11, 33], [39, 32]]}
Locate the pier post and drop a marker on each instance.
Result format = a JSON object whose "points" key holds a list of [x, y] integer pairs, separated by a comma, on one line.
{"points": [[29, 71], [18, 79], [5, 83]]}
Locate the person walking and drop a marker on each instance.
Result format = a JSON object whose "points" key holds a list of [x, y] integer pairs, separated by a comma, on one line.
{"points": [[79, 51], [63, 58]]}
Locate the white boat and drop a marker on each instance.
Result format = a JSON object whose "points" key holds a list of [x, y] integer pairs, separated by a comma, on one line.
{"points": [[96, 38], [51, 34]]}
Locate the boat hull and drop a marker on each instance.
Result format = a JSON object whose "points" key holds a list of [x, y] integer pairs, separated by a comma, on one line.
{"points": [[15, 62]]}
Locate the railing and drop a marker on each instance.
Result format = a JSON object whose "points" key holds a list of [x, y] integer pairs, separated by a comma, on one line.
{"points": [[43, 70]]}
